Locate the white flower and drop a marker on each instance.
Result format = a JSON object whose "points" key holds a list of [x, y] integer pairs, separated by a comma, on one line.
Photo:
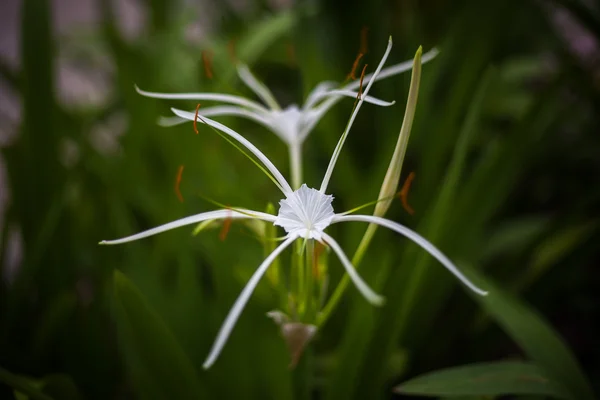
{"points": [[304, 213], [292, 124]]}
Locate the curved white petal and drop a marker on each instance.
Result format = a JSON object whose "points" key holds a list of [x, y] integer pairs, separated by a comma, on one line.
{"points": [[314, 115], [285, 186], [418, 239], [228, 111], [394, 69], [167, 122], [317, 93], [257, 87], [217, 214], [240, 303], [340, 144], [367, 99], [362, 287], [226, 98], [215, 112]]}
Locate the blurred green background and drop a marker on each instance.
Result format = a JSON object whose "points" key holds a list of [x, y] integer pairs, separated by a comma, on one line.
{"points": [[505, 149]]}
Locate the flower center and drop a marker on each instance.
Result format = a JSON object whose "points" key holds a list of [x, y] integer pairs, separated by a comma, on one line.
{"points": [[286, 123], [305, 213]]}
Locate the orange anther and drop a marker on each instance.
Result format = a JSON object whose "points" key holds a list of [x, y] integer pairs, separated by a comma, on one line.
{"points": [[196, 118], [178, 183], [225, 228], [362, 76], [352, 74], [207, 61], [404, 193], [319, 247]]}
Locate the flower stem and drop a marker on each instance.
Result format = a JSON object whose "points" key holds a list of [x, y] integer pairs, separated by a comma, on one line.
{"points": [[309, 278], [296, 164]]}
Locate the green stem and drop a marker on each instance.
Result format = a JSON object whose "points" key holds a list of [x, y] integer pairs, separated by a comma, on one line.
{"points": [[296, 164], [309, 279]]}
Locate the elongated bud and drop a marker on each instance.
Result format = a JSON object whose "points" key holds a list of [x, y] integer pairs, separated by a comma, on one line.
{"points": [[392, 176], [269, 243]]}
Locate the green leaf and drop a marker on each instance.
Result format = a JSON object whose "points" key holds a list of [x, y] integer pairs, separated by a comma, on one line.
{"points": [[485, 379], [155, 357], [537, 339]]}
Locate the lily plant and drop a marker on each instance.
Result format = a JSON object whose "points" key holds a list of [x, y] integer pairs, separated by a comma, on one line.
{"points": [[291, 124], [304, 213]]}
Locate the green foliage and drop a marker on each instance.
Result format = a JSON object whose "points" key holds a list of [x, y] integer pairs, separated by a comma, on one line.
{"points": [[490, 379], [159, 365]]}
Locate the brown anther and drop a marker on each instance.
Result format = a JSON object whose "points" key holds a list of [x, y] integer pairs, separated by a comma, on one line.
{"points": [[362, 76], [196, 118], [352, 74], [319, 247], [207, 61], [178, 183], [403, 194], [360, 87], [225, 229]]}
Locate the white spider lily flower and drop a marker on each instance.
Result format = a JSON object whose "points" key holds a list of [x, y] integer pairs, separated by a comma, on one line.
{"points": [[292, 124], [305, 214]]}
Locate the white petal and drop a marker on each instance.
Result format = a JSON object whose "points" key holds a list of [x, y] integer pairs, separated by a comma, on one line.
{"points": [[317, 113], [217, 214], [228, 111], [367, 99], [394, 69], [257, 87], [317, 94], [340, 144], [363, 288], [167, 122], [306, 212], [285, 186], [240, 303], [226, 98], [313, 116], [418, 239]]}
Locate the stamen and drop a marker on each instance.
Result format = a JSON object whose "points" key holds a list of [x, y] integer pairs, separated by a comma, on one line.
{"points": [[362, 76], [403, 194], [319, 247], [178, 182], [196, 118], [352, 74], [360, 87], [207, 61], [363, 39], [225, 229]]}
